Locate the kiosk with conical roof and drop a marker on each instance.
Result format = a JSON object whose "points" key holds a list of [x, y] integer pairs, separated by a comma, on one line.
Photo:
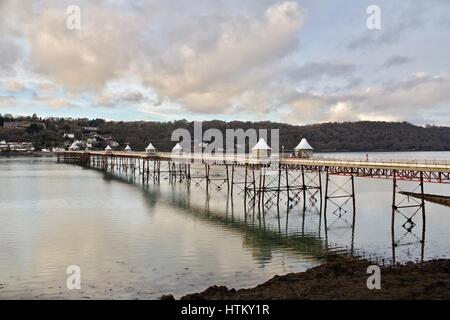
{"points": [[108, 149], [304, 149], [127, 148], [261, 150], [178, 149], [74, 146], [150, 149]]}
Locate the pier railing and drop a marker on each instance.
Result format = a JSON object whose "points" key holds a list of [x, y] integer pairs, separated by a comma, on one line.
{"points": [[248, 159], [436, 162]]}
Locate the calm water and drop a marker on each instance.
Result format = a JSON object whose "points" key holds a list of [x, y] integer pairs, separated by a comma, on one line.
{"points": [[132, 241]]}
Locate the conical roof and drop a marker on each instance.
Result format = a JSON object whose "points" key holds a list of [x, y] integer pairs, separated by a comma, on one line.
{"points": [[150, 147], [128, 148], [177, 147], [261, 145], [108, 148], [304, 145]]}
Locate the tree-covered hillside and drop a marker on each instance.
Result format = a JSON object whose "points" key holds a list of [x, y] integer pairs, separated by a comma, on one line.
{"points": [[347, 136]]}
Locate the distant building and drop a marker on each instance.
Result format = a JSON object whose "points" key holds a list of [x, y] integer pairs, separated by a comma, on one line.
{"points": [[74, 147], [127, 148], [77, 145], [108, 149], [90, 129], [3, 145], [304, 150], [16, 146], [18, 125], [69, 135], [261, 150], [113, 143]]}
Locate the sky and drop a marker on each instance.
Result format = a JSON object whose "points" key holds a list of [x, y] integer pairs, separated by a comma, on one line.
{"points": [[297, 62]]}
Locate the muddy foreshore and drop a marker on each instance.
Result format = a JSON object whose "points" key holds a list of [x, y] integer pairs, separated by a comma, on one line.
{"points": [[344, 278]]}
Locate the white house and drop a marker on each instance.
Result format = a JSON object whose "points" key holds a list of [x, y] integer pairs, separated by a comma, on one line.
{"points": [[108, 149], [77, 145], [304, 149], [150, 149], [178, 149], [127, 148], [261, 150], [69, 135]]}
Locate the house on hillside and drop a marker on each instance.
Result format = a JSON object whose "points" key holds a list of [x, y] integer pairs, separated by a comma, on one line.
{"points": [[69, 135], [18, 125]]}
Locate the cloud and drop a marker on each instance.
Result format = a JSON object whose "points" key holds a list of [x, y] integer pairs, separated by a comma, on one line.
{"points": [[10, 53], [13, 86], [396, 60], [224, 59], [244, 53], [202, 58], [408, 99], [394, 28], [319, 70]]}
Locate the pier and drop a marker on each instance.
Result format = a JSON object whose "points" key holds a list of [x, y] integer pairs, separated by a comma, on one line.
{"points": [[283, 180]]}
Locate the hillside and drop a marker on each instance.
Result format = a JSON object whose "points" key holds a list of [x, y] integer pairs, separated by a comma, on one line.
{"points": [[347, 136]]}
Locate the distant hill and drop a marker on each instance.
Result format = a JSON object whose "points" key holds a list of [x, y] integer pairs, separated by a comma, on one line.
{"points": [[346, 136]]}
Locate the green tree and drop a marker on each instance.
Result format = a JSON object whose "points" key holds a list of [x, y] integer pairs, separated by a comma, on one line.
{"points": [[34, 128]]}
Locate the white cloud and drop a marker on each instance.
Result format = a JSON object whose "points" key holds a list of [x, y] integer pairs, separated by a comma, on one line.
{"points": [[222, 58]]}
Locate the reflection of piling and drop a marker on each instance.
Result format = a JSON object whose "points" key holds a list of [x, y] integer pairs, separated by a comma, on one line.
{"points": [[408, 207]]}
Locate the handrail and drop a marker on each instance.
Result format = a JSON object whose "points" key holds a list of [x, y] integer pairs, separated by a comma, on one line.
{"points": [[316, 160]]}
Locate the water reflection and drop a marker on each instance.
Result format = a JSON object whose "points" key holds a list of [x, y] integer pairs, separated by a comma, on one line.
{"points": [[295, 214], [144, 236], [261, 233]]}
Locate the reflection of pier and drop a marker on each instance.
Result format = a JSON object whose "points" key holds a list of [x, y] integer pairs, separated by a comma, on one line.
{"points": [[259, 234], [284, 182]]}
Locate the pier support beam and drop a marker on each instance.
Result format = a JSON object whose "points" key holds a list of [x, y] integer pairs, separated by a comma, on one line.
{"points": [[408, 209], [340, 201]]}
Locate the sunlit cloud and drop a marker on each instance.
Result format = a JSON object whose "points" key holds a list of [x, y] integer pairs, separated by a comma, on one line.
{"points": [[259, 60]]}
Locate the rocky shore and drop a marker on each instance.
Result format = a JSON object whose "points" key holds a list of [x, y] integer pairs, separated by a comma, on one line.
{"points": [[345, 278]]}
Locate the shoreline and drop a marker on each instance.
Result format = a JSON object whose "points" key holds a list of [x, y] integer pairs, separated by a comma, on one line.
{"points": [[345, 278], [28, 154]]}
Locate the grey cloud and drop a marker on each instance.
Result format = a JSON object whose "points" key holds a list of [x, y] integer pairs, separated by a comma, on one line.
{"points": [[9, 54], [396, 60], [317, 70], [407, 99], [393, 32], [221, 58], [134, 97]]}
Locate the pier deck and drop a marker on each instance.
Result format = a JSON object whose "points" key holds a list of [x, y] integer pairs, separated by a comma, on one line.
{"points": [[437, 171]]}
